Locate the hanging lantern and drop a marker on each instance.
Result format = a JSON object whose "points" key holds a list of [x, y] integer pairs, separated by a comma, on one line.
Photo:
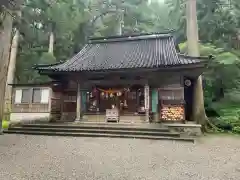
{"points": [[106, 95], [111, 95], [119, 93], [95, 103], [126, 89], [125, 103], [102, 94]]}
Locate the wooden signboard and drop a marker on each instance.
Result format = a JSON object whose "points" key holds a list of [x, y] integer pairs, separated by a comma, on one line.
{"points": [[146, 94]]}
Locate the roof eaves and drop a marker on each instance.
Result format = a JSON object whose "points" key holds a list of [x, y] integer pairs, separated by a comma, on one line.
{"points": [[45, 84], [161, 67], [197, 57], [44, 66], [128, 38]]}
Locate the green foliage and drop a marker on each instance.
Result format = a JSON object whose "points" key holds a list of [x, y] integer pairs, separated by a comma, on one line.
{"points": [[74, 21], [222, 124], [236, 129], [229, 112], [47, 58], [5, 124], [222, 90]]}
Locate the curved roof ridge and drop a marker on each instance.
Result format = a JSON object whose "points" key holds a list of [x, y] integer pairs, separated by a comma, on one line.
{"points": [[196, 57], [129, 38], [127, 35], [36, 66]]}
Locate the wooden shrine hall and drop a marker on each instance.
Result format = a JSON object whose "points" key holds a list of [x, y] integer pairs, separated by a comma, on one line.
{"points": [[143, 78]]}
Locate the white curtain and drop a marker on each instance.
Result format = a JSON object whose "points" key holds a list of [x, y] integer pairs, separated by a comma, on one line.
{"points": [[45, 96], [18, 96]]}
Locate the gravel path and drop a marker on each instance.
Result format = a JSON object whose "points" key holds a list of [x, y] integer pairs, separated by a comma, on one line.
{"points": [[46, 158]]}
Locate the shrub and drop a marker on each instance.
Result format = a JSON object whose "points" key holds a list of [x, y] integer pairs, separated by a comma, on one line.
{"points": [[236, 129], [5, 124], [222, 124]]}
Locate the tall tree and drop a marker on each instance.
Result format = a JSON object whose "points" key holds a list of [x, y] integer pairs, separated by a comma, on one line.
{"points": [[5, 39], [11, 68], [193, 50]]}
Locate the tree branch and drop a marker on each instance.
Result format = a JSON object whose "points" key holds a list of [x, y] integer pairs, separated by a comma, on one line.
{"points": [[101, 15]]}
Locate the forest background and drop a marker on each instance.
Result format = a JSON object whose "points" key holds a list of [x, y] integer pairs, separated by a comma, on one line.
{"points": [[49, 31]]}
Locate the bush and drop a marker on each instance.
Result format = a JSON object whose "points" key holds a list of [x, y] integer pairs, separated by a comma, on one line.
{"points": [[5, 124], [222, 124], [233, 120], [229, 113], [236, 129], [47, 58]]}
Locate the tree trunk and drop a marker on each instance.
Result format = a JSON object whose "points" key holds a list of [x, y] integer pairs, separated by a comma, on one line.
{"points": [[51, 42], [199, 114], [120, 22], [5, 39], [11, 72]]}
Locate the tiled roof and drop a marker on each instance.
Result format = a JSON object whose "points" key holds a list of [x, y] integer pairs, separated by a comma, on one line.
{"points": [[148, 51], [193, 60]]}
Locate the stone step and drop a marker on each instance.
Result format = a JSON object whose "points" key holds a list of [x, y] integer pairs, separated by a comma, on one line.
{"points": [[49, 133], [97, 130], [188, 129], [109, 126]]}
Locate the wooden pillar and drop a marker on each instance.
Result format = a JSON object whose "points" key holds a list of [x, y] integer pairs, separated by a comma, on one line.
{"points": [[155, 104], [146, 101], [79, 101], [50, 100], [56, 105], [84, 101]]}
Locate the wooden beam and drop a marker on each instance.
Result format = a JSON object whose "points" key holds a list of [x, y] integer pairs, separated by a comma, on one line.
{"points": [[78, 107], [146, 101], [112, 83], [133, 72]]}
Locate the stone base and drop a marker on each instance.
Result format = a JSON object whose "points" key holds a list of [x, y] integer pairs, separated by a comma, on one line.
{"points": [[185, 129], [21, 117], [122, 119], [155, 118], [77, 120]]}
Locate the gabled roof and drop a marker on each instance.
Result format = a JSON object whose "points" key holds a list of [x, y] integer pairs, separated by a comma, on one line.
{"points": [[125, 52]]}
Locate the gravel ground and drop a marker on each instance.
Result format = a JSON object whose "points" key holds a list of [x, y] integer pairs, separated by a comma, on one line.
{"points": [[46, 158]]}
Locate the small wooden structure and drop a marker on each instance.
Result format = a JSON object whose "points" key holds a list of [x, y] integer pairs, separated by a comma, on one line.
{"points": [[30, 101], [142, 75], [112, 115]]}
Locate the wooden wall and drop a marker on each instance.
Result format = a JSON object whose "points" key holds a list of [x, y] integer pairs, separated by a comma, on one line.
{"points": [[28, 107]]}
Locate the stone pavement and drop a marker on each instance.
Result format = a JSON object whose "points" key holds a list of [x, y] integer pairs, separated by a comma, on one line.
{"points": [[68, 158]]}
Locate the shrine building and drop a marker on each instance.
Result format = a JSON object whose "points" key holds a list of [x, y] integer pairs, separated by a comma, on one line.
{"points": [[144, 78]]}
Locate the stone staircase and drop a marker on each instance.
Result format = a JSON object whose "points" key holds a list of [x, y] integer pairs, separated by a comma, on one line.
{"points": [[112, 130]]}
